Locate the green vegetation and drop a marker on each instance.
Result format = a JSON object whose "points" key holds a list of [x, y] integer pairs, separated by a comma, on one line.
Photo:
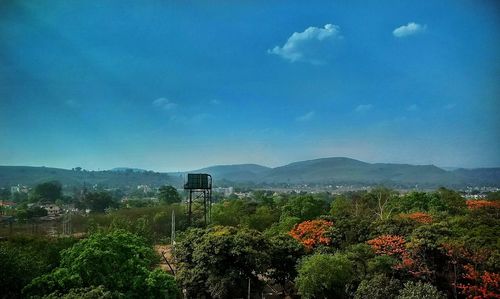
{"points": [[46, 192], [168, 195], [31, 176], [324, 276], [366, 244], [326, 171], [119, 261]]}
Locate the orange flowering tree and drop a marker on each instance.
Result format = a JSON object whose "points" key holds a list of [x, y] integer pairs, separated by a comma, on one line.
{"points": [[419, 217], [478, 204], [395, 246], [473, 283], [312, 233], [480, 285], [392, 245]]}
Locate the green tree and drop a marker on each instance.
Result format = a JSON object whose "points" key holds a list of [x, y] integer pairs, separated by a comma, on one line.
{"points": [[119, 261], [99, 201], [493, 195], [219, 261], [284, 225], [262, 219], [17, 268], [284, 253], [23, 213], [23, 258], [378, 287], [419, 290], [360, 255], [231, 212], [84, 293], [162, 222], [47, 192], [451, 200], [324, 276], [304, 207], [5, 194], [168, 195]]}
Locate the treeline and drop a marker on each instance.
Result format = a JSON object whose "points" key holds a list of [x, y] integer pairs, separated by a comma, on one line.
{"points": [[28, 205], [376, 244]]}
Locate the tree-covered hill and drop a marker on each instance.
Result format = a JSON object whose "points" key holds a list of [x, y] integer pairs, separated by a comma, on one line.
{"points": [[336, 170], [341, 170], [26, 175]]}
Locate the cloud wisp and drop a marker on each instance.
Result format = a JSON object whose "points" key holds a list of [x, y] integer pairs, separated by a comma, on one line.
{"points": [[306, 117], [363, 107], [409, 29], [164, 104], [313, 45]]}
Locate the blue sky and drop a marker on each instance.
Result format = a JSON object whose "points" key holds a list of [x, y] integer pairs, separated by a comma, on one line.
{"points": [[177, 85]]}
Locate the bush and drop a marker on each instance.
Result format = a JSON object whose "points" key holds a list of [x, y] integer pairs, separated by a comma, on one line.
{"points": [[379, 287], [119, 261], [324, 276], [419, 290]]}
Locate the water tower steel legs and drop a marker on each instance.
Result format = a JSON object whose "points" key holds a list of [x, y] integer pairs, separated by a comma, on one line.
{"points": [[206, 196]]}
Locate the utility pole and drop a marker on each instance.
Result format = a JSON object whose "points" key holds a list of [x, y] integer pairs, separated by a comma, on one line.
{"points": [[248, 287], [172, 233]]}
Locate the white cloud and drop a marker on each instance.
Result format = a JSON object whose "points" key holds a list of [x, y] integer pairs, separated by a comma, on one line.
{"points": [[363, 108], [409, 29], [214, 102], [413, 107], [306, 117], [164, 103], [311, 45]]}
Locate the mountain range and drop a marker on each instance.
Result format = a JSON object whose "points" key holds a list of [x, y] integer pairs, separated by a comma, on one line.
{"points": [[341, 170], [332, 171]]}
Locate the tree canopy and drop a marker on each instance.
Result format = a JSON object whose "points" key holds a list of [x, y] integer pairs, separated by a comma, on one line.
{"points": [[168, 195], [119, 261]]}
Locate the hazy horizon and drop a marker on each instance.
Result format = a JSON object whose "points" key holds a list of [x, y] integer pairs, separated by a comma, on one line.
{"points": [[241, 163], [180, 86]]}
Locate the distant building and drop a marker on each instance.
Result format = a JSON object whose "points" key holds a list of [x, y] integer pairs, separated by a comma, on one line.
{"points": [[19, 189], [475, 196], [144, 188], [7, 204], [52, 209], [226, 191], [242, 195]]}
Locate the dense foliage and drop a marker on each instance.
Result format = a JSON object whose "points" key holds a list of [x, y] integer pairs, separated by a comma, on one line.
{"points": [[118, 261], [364, 244], [376, 244]]}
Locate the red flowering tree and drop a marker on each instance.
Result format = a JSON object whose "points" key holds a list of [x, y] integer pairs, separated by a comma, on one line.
{"points": [[478, 204], [395, 246], [419, 217], [473, 283], [392, 245], [312, 233], [480, 285]]}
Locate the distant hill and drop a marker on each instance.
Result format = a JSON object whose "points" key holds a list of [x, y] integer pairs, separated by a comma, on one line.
{"points": [[336, 170], [237, 173], [127, 169], [341, 170], [346, 170], [26, 175], [478, 176]]}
